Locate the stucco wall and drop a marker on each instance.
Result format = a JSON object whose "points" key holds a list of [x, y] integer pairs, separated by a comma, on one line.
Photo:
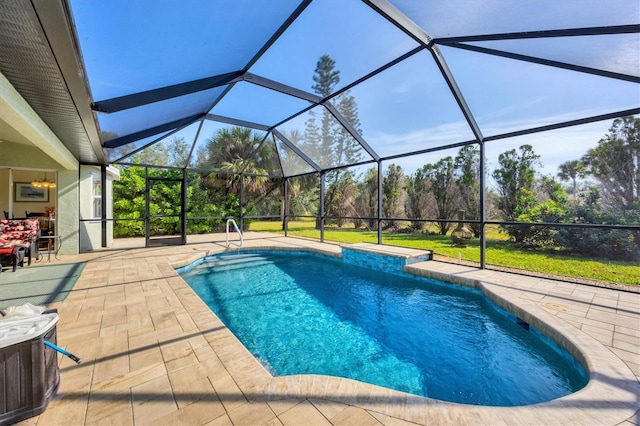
{"points": [[4, 192], [91, 231], [25, 156], [67, 211]]}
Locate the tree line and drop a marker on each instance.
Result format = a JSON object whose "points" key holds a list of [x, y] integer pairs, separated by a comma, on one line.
{"points": [[603, 189]]}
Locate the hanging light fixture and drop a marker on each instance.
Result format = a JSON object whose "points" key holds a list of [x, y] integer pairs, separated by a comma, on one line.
{"points": [[52, 183], [43, 183], [37, 183]]}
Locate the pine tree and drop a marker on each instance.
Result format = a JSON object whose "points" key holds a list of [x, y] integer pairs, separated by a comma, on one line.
{"points": [[330, 144], [326, 77]]}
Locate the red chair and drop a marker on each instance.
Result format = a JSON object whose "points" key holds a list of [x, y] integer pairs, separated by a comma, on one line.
{"points": [[16, 258]]}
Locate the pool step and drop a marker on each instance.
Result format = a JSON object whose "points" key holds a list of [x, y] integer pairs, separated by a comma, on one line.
{"points": [[228, 263], [246, 265], [234, 259]]}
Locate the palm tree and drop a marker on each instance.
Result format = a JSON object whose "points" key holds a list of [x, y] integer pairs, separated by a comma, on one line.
{"points": [[234, 150], [254, 179], [572, 170], [229, 144]]}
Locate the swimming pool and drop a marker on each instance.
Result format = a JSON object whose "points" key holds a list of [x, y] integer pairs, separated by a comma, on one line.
{"points": [[301, 313]]}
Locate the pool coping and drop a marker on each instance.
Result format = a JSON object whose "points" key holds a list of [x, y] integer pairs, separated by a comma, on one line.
{"points": [[610, 396]]}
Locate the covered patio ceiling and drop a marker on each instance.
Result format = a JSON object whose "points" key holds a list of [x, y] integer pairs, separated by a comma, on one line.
{"points": [[115, 78]]}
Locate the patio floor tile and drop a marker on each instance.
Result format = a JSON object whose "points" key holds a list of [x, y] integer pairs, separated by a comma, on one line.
{"points": [[153, 353]]}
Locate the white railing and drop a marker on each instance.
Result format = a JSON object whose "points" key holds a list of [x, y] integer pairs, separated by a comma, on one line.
{"points": [[235, 227]]}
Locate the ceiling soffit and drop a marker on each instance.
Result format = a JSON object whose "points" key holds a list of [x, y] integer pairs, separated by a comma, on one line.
{"points": [[28, 63]]}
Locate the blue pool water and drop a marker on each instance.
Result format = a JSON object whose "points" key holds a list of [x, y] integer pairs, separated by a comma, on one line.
{"points": [[303, 313]]}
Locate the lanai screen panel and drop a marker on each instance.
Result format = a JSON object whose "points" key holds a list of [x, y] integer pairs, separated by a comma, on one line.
{"points": [[324, 140], [115, 154], [409, 108], [253, 103], [133, 46], [292, 163], [266, 159], [616, 53], [172, 150], [507, 95], [148, 116], [554, 147], [455, 18], [208, 131], [348, 31], [231, 148]]}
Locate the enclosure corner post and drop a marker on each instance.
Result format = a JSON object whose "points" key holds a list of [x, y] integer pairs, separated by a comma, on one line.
{"points": [[147, 209], [379, 202], [483, 218], [322, 189], [103, 207], [183, 208], [285, 202], [241, 215]]}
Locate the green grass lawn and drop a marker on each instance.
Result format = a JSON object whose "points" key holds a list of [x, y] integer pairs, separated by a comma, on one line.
{"points": [[500, 251]]}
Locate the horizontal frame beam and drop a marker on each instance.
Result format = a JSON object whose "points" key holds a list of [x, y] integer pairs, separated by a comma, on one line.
{"points": [[282, 88], [564, 124], [285, 25], [114, 143], [547, 62], [155, 95], [428, 150], [135, 151], [236, 122], [569, 32]]}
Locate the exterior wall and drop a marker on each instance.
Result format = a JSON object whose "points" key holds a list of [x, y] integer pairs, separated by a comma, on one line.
{"points": [[67, 211], [25, 156], [91, 231], [4, 193]]}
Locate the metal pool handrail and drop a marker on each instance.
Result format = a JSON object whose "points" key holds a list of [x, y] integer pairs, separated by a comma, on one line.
{"points": [[235, 227]]}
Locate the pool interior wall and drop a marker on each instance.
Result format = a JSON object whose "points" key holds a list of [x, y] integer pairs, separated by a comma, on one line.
{"points": [[396, 265]]}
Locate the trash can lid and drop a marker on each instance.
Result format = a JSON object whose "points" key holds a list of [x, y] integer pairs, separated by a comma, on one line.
{"points": [[20, 329]]}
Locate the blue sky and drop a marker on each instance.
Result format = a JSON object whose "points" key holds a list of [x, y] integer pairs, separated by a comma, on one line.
{"points": [[134, 46]]}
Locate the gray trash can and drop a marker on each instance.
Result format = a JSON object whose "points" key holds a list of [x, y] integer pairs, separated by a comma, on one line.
{"points": [[29, 373]]}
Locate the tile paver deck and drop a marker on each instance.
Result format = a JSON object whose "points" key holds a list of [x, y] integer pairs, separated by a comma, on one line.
{"points": [[153, 353]]}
